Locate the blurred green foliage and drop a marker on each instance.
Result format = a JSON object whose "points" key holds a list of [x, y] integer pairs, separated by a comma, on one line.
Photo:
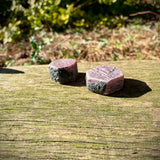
{"points": [[36, 47], [21, 18]]}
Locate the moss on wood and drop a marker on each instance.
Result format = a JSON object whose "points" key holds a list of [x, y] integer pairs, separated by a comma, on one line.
{"points": [[41, 119]]}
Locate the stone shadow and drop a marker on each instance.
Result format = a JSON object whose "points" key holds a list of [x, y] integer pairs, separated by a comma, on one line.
{"points": [[132, 88], [9, 71], [80, 81]]}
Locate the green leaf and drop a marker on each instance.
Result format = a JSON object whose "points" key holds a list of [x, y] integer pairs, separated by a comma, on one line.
{"points": [[57, 2], [33, 43], [69, 56], [62, 53], [100, 1], [26, 64]]}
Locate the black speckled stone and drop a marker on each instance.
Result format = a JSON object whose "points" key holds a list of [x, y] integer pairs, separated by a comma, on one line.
{"points": [[97, 87], [60, 75]]}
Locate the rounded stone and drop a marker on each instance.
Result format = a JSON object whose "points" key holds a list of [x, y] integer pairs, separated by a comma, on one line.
{"points": [[63, 70], [104, 79]]}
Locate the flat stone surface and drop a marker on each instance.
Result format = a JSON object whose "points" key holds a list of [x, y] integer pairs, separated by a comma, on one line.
{"points": [[104, 79], [41, 120], [63, 63]]}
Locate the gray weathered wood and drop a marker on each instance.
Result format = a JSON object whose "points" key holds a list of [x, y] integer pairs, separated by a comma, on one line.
{"points": [[40, 119]]}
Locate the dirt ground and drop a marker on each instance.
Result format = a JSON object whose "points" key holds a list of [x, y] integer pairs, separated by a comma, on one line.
{"points": [[140, 42]]}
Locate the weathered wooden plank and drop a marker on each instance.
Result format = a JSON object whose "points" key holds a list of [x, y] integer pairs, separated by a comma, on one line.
{"points": [[40, 119]]}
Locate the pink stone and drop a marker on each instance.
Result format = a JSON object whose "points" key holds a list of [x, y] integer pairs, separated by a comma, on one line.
{"points": [[104, 79]]}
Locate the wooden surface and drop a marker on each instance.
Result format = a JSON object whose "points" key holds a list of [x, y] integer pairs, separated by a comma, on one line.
{"points": [[40, 119]]}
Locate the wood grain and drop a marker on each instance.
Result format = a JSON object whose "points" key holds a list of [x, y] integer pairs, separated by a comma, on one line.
{"points": [[40, 119]]}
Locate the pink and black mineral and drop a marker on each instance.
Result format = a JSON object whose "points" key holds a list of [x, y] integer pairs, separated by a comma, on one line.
{"points": [[63, 70], [104, 79]]}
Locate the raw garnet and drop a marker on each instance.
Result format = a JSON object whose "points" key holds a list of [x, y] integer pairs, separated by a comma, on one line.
{"points": [[63, 70], [104, 79]]}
